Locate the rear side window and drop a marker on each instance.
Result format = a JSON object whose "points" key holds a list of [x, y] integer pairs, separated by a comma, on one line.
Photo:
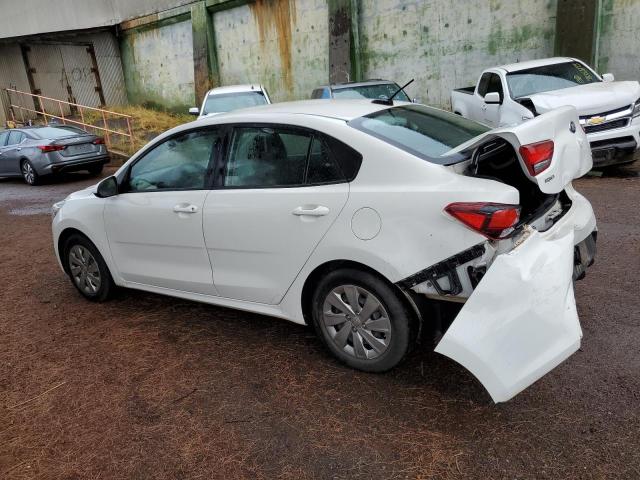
{"points": [[425, 132], [3, 138], [263, 157], [15, 137]]}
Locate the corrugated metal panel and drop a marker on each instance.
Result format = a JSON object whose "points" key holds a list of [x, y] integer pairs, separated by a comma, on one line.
{"points": [[13, 75], [110, 67]]}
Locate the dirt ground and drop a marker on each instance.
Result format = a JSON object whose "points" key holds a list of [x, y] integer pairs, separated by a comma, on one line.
{"points": [[150, 387]]}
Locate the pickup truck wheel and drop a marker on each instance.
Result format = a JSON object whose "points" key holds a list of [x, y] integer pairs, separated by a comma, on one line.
{"points": [[87, 270], [361, 320]]}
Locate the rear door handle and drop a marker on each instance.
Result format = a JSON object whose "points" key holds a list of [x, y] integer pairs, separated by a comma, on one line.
{"points": [[185, 208], [317, 211]]}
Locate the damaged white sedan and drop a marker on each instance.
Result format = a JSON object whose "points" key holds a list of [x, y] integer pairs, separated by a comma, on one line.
{"points": [[364, 219]]}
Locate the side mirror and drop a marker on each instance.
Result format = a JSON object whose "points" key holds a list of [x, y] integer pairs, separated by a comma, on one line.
{"points": [[194, 111], [608, 77], [107, 187], [492, 98]]}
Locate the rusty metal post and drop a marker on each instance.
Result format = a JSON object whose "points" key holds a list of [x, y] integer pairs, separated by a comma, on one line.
{"points": [[130, 135], [43, 112], [82, 116], [62, 113], [106, 129]]}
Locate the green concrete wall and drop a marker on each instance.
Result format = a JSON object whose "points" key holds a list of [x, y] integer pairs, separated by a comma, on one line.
{"points": [[619, 39]]}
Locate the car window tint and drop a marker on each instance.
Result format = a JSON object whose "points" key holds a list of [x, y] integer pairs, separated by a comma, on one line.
{"points": [[267, 157], [226, 102], [484, 84], [380, 91], [178, 163], [322, 168], [15, 137], [495, 84], [3, 138]]}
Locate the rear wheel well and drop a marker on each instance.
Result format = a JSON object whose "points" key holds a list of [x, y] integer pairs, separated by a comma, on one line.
{"points": [[314, 277]]}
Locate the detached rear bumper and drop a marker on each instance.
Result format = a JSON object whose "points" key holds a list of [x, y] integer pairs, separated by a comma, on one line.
{"points": [[520, 322]]}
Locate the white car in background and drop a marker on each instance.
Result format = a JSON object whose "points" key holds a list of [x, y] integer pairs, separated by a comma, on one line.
{"points": [[368, 221], [233, 97], [511, 94]]}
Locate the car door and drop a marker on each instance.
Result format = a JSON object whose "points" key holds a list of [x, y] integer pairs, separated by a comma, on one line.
{"points": [[11, 153], [4, 165], [154, 225], [492, 111], [279, 192]]}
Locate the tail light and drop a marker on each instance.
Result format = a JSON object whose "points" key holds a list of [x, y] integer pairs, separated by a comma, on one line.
{"points": [[98, 141], [51, 148], [537, 156], [493, 220]]}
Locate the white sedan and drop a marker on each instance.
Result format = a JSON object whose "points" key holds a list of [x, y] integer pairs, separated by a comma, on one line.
{"points": [[364, 219]]}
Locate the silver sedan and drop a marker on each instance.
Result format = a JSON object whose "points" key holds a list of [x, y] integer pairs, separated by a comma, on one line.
{"points": [[36, 152]]}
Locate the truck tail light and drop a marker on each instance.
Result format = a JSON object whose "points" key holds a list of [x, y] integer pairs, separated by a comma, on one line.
{"points": [[493, 220], [51, 148], [537, 156]]}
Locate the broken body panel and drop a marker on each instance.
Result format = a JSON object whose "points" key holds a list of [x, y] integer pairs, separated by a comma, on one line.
{"points": [[519, 320]]}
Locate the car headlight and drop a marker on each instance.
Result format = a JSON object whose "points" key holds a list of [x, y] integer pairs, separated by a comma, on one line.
{"points": [[55, 208], [636, 109]]}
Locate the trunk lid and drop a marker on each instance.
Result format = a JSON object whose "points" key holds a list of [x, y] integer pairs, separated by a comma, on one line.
{"points": [[77, 145], [571, 152]]}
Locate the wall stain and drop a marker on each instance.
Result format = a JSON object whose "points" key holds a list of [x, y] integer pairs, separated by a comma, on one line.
{"points": [[278, 15]]}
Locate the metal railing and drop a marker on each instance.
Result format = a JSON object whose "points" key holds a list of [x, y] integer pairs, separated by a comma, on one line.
{"points": [[71, 118]]}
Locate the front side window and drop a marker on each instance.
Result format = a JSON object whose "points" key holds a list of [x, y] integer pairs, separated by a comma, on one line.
{"points": [[483, 85], [495, 85], [425, 132], [3, 138], [262, 157], [382, 91], [179, 163], [549, 77], [227, 102]]}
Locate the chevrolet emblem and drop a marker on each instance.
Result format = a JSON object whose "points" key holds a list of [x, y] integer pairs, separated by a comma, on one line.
{"points": [[597, 120]]}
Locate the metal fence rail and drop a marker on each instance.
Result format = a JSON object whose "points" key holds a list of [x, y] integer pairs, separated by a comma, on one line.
{"points": [[40, 100]]}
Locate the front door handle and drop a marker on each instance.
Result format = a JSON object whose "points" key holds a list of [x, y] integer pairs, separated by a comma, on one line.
{"points": [[317, 211], [185, 208]]}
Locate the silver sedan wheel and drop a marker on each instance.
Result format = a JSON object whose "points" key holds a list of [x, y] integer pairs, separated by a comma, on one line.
{"points": [[356, 321], [28, 173], [84, 270]]}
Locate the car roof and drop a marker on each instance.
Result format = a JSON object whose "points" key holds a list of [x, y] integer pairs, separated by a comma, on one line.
{"points": [[337, 109], [249, 87], [514, 67]]}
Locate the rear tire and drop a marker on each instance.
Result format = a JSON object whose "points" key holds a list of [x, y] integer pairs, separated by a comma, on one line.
{"points": [[362, 320], [96, 170], [29, 174], [87, 269]]}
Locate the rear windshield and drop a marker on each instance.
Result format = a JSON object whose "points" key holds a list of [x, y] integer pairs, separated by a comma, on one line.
{"points": [[425, 132], [225, 102], [58, 132], [380, 91], [549, 77]]}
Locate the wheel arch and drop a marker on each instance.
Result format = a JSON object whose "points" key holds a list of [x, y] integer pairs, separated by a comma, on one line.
{"points": [[313, 278], [63, 238]]}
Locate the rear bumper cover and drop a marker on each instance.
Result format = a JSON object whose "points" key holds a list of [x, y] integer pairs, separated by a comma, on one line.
{"points": [[520, 322], [75, 165]]}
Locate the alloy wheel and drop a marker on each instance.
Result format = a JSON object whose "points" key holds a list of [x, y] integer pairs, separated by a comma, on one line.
{"points": [[84, 270], [356, 321], [28, 173]]}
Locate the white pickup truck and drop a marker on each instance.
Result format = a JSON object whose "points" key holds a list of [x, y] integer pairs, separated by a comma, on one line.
{"points": [[511, 94]]}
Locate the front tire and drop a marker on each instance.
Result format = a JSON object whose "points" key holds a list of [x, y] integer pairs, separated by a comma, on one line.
{"points": [[361, 320], [87, 269], [29, 174]]}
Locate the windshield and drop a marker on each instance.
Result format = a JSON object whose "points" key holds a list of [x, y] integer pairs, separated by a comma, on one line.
{"points": [[425, 132], [225, 102], [381, 91], [58, 132], [549, 77]]}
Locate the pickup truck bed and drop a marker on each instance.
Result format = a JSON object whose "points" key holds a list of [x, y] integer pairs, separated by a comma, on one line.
{"points": [[467, 90]]}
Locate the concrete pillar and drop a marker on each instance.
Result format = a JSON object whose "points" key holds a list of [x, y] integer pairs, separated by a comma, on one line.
{"points": [[205, 62], [344, 54], [576, 29]]}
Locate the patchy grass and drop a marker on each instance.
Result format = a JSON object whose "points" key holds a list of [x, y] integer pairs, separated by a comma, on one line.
{"points": [[146, 124]]}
